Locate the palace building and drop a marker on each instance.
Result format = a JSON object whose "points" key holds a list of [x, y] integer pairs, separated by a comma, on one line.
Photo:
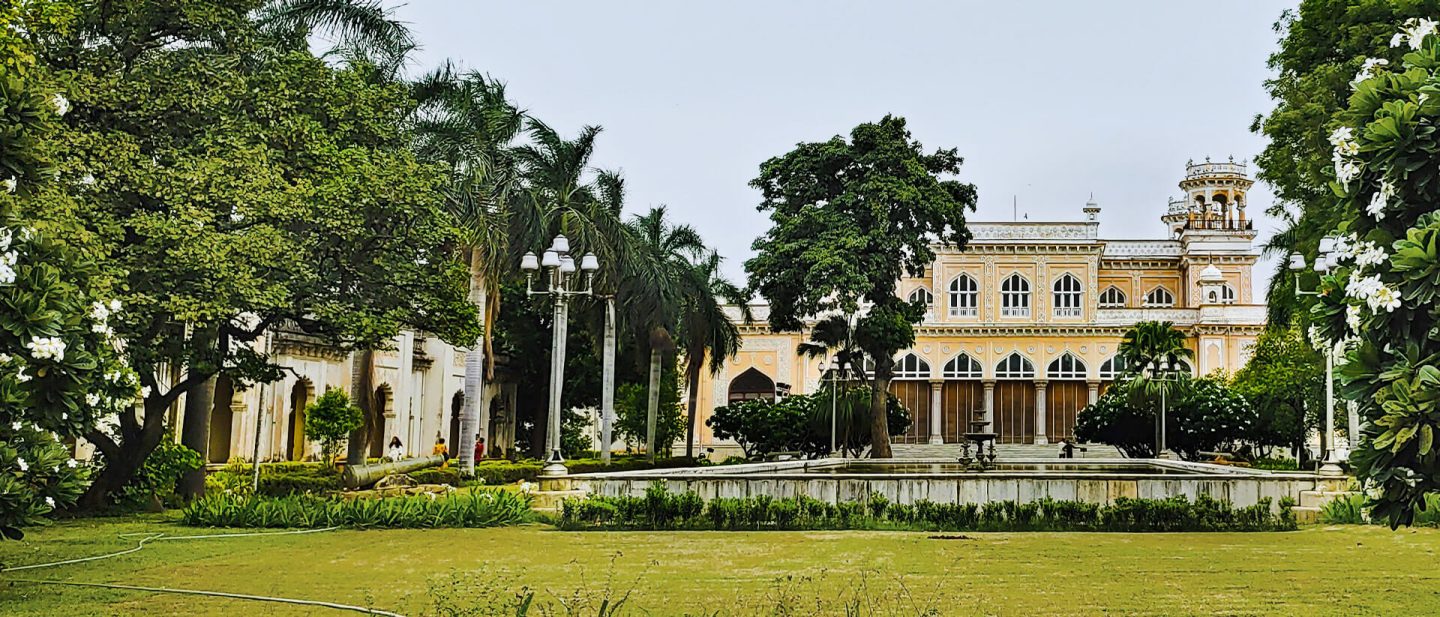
{"points": [[1025, 320]]}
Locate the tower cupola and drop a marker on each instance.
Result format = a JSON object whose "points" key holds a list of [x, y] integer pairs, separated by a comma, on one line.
{"points": [[1214, 197]]}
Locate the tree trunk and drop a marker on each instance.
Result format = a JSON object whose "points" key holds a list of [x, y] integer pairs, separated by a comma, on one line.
{"points": [[654, 404], [122, 464], [474, 370], [692, 382], [607, 383], [361, 393], [195, 434], [879, 419]]}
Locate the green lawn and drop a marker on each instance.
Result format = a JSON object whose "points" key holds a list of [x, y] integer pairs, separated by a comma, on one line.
{"points": [[1316, 571]]}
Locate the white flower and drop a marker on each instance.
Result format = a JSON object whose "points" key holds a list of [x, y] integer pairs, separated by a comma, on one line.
{"points": [[4, 358], [71, 463], [7, 275], [1370, 255], [47, 348], [99, 312], [16, 425], [1345, 169], [62, 105], [9, 184], [64, 416], [1384, 298], [1414, 32], [1362, 287], [1367, 70], [26, 234], [50, 501], [22, 377], [92, 399], [1341, 135], [114, 306], [1352, 318], [87, 180], [23, 465], [144, 392], [1377, 206], [526, 487]]}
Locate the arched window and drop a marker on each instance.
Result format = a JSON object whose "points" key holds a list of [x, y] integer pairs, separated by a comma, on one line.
{"points": [[964, 297], [1112, 368], [962, 367], [1015, 297], [1159, 297], [911, 366], [923, 295], [1112, 298], [1015, 366], [1067, 296], [751, 385], [1066, 366], [1227, 294]]}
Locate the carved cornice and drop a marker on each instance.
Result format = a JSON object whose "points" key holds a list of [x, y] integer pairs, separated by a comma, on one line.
{"points": [[308, 349]]}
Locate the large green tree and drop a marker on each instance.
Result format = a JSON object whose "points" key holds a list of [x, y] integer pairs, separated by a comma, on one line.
{"points": [[849, 219], [238, 183], [1379, 302], [1285, 383], [1324, 44]]}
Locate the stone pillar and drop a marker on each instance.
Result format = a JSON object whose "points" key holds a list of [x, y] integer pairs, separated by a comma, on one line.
{"points": [[989, 385], [1352, 424], [1092, 389], [1040, 413], [936, 385]]}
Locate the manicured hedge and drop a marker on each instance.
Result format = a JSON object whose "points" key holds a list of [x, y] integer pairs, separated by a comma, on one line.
{"points": [[661, 509], [282, 484], [509, 472], [437, 475], [477, 509]]}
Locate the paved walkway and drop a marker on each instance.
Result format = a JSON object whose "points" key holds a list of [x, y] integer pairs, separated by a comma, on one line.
{"points": [[1004, 451]]}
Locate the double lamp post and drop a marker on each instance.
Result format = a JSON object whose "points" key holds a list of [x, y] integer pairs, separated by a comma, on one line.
{"points": [[1323, 262]]}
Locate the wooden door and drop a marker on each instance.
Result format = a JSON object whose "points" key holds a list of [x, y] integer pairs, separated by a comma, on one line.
{"points": [[915, 396], [960, 401], [1015, 411], [1063, 402]]}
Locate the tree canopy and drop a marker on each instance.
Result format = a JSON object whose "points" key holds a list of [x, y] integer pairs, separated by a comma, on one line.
{"points": [[849, 219]]}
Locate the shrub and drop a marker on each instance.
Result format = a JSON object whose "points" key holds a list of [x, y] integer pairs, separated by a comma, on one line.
{"points": [[478, 509], [436, 475], [282, 484], [661, 509], [155, 482], [330, 420]]}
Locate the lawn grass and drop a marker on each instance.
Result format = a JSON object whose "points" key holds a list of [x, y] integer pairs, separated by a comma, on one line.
{"points": [[1351, 570]]}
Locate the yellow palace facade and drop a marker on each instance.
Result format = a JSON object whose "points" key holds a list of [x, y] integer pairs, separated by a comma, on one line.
{"points": [[1024, 322]]}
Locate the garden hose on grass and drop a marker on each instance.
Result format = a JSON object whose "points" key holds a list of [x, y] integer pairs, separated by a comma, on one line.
{"points": [[158, 537]]}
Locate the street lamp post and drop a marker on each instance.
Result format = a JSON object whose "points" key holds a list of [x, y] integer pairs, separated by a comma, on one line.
{"points": [[1323, 262], [832, 378], [1161, 371], [559, 268]]}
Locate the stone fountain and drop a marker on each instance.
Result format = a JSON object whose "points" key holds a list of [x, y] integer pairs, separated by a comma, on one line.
{"points": [[979, 435]]}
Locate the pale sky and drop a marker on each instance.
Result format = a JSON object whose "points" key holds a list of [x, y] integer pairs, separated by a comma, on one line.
{"points": [[1047, 101]]}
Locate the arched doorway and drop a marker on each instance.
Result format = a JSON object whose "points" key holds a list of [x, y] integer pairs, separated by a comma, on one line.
{"points": [[1015, 399], [221, 420], [911, 385], [457, 407], [376, 432], [751, 385], [299, 399], [1066, 394]]}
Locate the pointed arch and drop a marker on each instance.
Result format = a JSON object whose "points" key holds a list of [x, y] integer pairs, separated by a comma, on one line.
{"points": [[750, 385], [963, 366], [1015, 366], [1068, 296], [1113, 368], [911, 366], [964, 297], [1112, 297], [1067, 366], [922, 294], [1159, 296], [1015, 296]]}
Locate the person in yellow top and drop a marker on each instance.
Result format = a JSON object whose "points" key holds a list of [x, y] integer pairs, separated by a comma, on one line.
{"points": [[442, 450]]}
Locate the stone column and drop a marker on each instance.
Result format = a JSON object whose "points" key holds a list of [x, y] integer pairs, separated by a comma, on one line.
{"points": [[936, 385], [1040, 413], [1092, 389], [989, 385]]}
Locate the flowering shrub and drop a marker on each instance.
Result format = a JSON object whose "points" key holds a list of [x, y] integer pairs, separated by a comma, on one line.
{"points": [[60, 369], [1201, 414], [1378, 305]]}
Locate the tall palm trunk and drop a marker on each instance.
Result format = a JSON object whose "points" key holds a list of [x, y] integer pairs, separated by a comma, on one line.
{"points": [[692, 382], [474, 368], [654, 404], [607, 382], [362, 367]]}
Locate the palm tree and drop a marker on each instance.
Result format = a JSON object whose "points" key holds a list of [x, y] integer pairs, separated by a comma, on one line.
{"points": [[1151, 344], [705, 329], [351, 24], [467, 123], [654, 290]]}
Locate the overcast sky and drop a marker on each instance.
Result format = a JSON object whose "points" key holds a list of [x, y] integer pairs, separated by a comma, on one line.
{"points": [[1047, 101]]}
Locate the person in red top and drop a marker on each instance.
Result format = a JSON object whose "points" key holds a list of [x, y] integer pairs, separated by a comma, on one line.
{"points": [[479, 448]]}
